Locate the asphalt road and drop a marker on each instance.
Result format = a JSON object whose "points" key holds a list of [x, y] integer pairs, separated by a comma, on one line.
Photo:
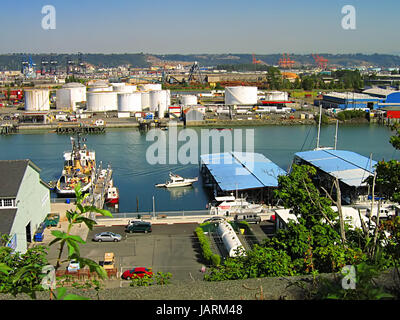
{"points": [[168, 248]]}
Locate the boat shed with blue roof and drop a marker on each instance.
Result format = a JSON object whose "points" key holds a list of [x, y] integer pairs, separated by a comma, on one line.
{"points": [[250, 174], [350, 168]]}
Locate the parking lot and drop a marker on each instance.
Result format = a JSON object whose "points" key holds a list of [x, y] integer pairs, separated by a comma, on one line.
{"points": [[168, 248]]}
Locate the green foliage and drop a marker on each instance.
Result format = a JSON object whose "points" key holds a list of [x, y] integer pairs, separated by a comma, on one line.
{"points": [[387, 179], [208, 255], [298, 192], [22, 272], [395, 140], [163, 278], [365, 287], [144, 281], [351, 114], [259, 262], [61, 294]]}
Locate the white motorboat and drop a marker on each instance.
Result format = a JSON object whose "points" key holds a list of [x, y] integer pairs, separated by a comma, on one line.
{"points": [[176, 181], [230, 205]]}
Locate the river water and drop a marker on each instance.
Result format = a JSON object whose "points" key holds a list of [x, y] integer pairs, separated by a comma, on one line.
{"points": [[125, 150]]}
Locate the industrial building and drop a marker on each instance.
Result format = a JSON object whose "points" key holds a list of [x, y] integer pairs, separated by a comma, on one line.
{"points": [[350, 100], [350, 168], [372, 99], [250, 174], [24, 202]]}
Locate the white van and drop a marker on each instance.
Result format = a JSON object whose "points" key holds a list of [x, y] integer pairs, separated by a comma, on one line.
{"points": [[248, 217]]}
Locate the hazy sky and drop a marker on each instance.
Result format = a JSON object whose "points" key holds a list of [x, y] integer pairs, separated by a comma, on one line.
{"points": [[177, 26]]}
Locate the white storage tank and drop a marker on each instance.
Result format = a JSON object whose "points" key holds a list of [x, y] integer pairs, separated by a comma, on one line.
{"points": [[240, 95], [230, 239], [276, 96], [188, 100], [129, 102], [123, 87], [37, 99], [102, 101], [70, 95], [160, 100], [150, 86], [145, 100], [99, 86]]}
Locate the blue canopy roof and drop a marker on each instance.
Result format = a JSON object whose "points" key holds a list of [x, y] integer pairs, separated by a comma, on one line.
{"points": [[349, 167], [242, 170]]}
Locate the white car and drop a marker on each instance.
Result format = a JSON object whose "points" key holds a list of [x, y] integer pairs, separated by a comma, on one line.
{"points": [[214, 219], [73, 266]]}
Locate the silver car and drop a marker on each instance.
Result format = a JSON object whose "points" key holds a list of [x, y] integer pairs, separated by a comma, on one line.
{"points": [[107, 236], [214, 219]]}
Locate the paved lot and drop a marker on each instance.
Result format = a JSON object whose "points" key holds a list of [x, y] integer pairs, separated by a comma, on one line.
{"points": [[169, 248]]}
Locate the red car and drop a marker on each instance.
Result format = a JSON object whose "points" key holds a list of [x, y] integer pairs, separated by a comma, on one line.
{"points": [[136, 273]]}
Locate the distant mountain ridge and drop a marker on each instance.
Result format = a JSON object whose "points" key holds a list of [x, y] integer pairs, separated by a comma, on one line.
{"points": [[14, 61]]}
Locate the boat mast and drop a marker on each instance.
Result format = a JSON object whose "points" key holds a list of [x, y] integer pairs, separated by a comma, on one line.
{"points": [[337, 124], [319, 124]]}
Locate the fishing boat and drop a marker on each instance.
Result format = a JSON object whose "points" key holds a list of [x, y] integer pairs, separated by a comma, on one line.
{"points": [[79, 168], [177, 181], [112, 196]]}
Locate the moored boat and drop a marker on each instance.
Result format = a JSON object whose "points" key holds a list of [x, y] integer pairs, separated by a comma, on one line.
{"points": [[79, 167], [177, 181]]}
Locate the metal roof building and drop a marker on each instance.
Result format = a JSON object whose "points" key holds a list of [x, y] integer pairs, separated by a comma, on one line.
{"points": [[241, 171], [349, 167]]}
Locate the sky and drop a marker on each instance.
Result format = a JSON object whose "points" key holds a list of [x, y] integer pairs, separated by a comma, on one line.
{"points": [[206, 26]]}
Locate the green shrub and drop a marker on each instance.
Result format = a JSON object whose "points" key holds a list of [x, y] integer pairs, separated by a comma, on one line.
{"points": [[208, 255]]}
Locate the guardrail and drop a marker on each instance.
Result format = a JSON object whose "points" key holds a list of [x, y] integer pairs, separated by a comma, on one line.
{"points": [[156, 214]]}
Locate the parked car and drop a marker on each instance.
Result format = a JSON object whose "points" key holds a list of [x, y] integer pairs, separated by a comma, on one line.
{"points": [[73, 266], [109, 261], [215, 219], [250, 218], [140, 226], [107, 236], [136, 273]]}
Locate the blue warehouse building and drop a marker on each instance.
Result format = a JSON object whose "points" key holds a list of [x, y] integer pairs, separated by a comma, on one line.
{"points": [[372, 99], [250, 174], [350, 100]]}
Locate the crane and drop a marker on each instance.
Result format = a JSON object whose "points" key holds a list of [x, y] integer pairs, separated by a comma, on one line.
{"points": [[193, 70], [255, 61], [320, 61], [286, 61]]}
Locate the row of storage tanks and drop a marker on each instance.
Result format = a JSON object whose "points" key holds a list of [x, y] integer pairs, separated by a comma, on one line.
{"points": [[102, 97], [123, 97]]}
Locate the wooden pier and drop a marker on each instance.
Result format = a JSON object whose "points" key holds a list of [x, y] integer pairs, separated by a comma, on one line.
{"points": [[8, 128], [100, 183], [80, 129]]}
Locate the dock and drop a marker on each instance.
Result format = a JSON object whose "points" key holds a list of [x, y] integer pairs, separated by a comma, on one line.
{"points": [[8, 128], [84, 129], [98, 191]]}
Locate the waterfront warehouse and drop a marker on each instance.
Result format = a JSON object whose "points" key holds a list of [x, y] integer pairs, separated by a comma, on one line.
{"points": [[244, 172], [351, 169]]}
